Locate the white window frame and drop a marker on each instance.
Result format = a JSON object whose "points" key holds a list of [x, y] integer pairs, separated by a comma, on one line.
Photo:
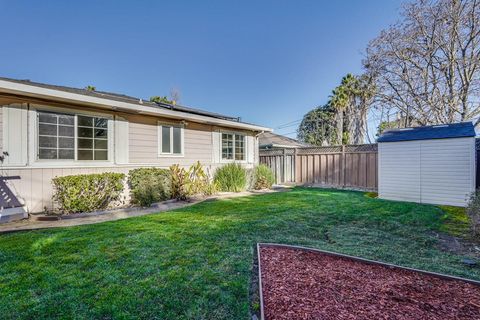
{"points": [[245, 148], [34, 138], [160, 125]]}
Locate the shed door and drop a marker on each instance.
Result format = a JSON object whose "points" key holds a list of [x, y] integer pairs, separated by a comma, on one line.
{"points": [[447, 171], [399, 171]]}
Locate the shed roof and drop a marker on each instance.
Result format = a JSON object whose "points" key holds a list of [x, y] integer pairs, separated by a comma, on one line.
{"points": [[442, 131]]}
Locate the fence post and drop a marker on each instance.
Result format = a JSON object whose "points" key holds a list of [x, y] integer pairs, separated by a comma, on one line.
{"points": [[343, 166], [296, 165]]}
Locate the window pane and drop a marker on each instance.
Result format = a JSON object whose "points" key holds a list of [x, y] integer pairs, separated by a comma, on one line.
{"points": [[177, 140], [85, 143], [101, 155], [101, 144], [85, 155], [227, 146], [66, 119], [47, 142], [47, 129], [47, 117], [65, 131], [239, 147], [66, 143], [85, 132], [66, 154], [166, 139], [101, 122], [47, 153], [85, 121], [100, 133]]}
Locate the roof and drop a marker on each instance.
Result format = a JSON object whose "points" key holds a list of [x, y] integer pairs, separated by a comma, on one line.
{"points": [[125, 99], [271, 140], [441, 131]]}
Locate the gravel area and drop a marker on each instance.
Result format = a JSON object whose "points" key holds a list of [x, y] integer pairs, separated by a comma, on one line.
{"points": [[298, 284]]}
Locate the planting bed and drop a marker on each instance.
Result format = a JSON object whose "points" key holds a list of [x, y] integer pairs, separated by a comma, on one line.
{"points": [[301, 284]]}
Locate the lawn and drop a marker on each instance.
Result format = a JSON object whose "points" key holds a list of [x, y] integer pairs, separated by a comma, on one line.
{"points": [[195, 263]]}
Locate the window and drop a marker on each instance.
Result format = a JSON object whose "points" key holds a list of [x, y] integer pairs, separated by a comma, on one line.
{"points": [[233, 146], [92, 133], [57, 134], [170, 139]]}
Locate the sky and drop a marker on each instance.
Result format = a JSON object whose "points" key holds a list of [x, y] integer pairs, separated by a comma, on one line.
{"points": [[268, 62]]}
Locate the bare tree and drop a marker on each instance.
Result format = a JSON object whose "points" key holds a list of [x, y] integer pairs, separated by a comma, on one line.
{"points": [[427, 66], [175, 95]]}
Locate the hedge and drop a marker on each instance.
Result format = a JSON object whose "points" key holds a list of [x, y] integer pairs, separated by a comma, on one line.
{"points": [[87, 192]]}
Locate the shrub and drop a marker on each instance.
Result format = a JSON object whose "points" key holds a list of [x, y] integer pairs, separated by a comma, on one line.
{"points": [[231, 177], [199, 182], [263, 176], [179, 180], [473, 211], [149, 185], [87, 192]]}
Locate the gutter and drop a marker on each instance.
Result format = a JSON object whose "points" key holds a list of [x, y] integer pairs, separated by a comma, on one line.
{"points": [[25, 90]]}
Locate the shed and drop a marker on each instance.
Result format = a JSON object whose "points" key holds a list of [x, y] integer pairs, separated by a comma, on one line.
{"points": [[431, 164]]}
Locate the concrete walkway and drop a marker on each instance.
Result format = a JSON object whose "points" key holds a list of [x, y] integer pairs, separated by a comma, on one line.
{"points": [[123, 213]]}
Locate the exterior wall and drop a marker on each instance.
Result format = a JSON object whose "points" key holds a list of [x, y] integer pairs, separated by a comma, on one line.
{"points": [[134, 143], [399, 171], [143, 143], [428, 171]]}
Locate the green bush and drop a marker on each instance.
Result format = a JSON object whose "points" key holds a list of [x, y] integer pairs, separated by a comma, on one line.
{"points": [[231, 177], [263, 176], [87, 192], [149, 185], [473, 211]]}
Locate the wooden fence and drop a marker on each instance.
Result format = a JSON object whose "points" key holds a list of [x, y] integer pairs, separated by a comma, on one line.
{"points": [[352, 166]]}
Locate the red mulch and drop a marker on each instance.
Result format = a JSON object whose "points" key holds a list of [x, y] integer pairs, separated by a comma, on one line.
{"points": [[298, 284]]}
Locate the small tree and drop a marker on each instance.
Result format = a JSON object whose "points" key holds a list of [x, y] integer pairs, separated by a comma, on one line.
{"points": [[90, 88], [318, 126]]}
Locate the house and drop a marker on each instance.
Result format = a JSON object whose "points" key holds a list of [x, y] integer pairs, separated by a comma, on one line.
{"points": [[431, 164], [269, 140], [50, 131]]}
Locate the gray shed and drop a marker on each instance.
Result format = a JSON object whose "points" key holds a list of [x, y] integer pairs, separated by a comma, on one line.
{"points": [[431, 164]]}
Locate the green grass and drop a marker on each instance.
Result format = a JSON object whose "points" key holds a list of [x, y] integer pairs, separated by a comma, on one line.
{"points": [[455, 222], [195, 263]]}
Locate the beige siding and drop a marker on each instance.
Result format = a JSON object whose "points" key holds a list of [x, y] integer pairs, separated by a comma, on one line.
{"points": [[429, 171], [35, 186], [143, 143]]}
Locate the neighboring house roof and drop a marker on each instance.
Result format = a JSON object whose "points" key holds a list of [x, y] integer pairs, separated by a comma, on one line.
{"points": [[269, 140], [119, 101], [442, 131]]}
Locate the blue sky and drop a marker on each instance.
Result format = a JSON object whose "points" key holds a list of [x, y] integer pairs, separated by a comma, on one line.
{"points": [[266, 61]]}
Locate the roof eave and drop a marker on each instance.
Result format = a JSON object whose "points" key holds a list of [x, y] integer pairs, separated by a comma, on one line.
{"points": [[103, 103]]}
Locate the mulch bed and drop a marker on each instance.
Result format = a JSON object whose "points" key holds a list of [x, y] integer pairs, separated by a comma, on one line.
{"points": [[299, 284]]}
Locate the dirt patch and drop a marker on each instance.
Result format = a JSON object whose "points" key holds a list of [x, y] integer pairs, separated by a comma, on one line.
{"points": [[299, 284], [457, 245]]}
